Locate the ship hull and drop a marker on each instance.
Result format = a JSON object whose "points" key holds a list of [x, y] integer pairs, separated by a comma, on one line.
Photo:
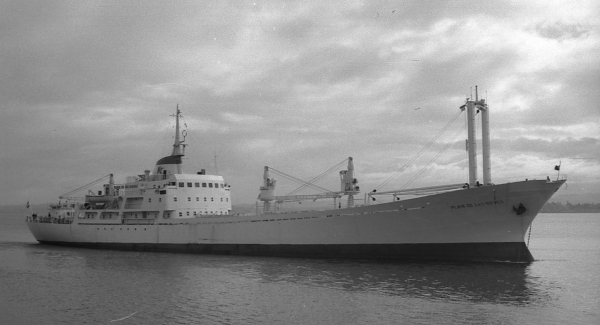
{"points": [[483, 223]]}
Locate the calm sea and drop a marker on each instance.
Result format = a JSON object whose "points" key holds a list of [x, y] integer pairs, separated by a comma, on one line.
{"points": [[42, 284]]}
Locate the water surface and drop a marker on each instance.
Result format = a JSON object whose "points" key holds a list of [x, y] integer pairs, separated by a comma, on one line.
{"points": [[41, 284]]}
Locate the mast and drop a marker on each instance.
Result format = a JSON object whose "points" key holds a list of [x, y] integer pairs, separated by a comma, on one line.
{"points": [[267, 191], [470, 106], [485, 139], [472, 142], [178, 147], [349, 183]]}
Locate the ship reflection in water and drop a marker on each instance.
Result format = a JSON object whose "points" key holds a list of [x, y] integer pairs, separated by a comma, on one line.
{"points": [[181, 288], [507, 283]]}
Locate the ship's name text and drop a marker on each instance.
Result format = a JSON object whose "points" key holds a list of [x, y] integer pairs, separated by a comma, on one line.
{"points": [[473, 205]]}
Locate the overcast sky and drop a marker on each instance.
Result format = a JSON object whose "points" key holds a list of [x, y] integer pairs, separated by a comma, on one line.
{"points": [[86, 89]]}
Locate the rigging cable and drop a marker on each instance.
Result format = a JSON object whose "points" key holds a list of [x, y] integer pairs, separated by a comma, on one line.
{"points": [[434, 158], [299, 180], [431, 142], [312, 181], [85, 186]]}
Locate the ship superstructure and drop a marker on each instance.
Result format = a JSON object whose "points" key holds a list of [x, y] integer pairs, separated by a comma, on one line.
{"points": [[168, 210], [165, 193]]}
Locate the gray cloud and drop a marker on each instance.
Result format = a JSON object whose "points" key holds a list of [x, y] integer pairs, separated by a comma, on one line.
{"points": [[86, 88]]}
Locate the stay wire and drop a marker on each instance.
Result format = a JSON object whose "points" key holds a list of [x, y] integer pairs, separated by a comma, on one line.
{"points": [[312, 181], [429, 144], [434, 158]]}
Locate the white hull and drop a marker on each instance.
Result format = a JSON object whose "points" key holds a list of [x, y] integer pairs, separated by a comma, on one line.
{"points": [[474, 224]]}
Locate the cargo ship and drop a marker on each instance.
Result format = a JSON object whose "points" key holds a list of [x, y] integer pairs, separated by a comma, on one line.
{"points": [[165, 209]]}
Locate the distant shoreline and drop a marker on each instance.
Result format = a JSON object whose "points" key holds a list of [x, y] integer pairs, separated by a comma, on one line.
{"points": [[569, 212], [557, 207]]}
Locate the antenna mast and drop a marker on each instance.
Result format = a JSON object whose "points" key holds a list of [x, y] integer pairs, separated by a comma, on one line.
{"points": [[216, 167], [178, 146]]}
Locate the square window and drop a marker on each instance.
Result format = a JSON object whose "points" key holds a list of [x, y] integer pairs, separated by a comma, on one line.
{"points": [[189, 184], [197, 184], [181, 184], [203, 184], [210, 185]]}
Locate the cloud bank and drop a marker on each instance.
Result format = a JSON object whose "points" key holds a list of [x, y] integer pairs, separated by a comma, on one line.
{"points": [[87, 89]]}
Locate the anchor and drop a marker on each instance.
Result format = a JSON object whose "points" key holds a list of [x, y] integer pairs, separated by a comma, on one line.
{"points": [[520, 209]]}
